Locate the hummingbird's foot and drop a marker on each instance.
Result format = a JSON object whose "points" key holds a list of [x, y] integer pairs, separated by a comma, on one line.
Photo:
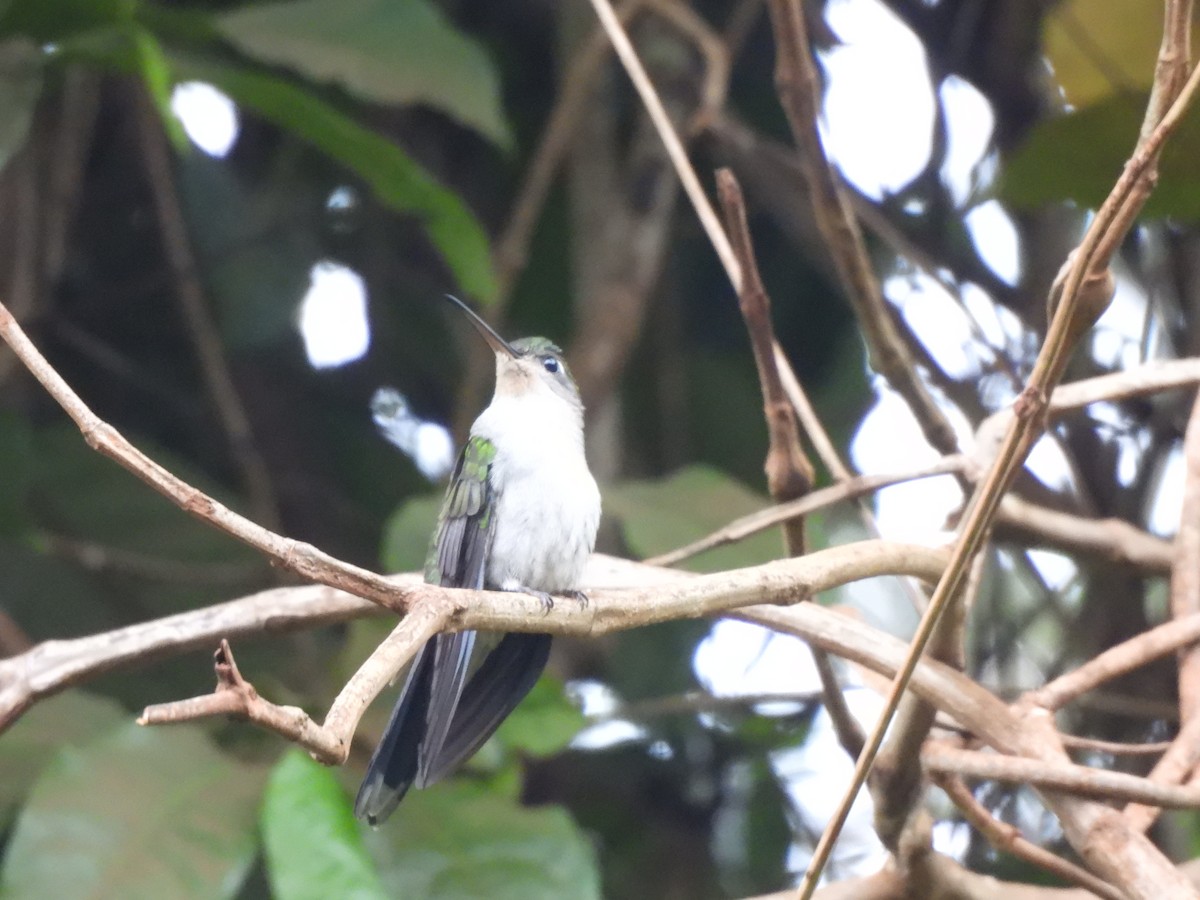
{"points": [[545, 599], [579, 596]]}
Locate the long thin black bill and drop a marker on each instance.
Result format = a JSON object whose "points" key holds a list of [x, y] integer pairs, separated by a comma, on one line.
{"points": [[497, 343]]}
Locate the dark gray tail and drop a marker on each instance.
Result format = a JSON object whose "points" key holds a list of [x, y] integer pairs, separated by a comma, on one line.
{"points": [[404, 755], [393, 765]]}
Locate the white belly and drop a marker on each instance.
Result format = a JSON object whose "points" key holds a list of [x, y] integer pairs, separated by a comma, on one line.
{"points": [[547, 504], [546, 521]]}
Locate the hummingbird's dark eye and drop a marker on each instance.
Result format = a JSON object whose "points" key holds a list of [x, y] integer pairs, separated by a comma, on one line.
{"points": [[550, 364]]}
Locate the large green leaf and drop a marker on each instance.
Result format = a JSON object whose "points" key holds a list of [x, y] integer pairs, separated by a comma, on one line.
{"points": [[545, 721], [459, 840], [407, 533], [63, 721], [1098, 49], [88, 496], [380, 50], [51, 20], [657, 516], [313, 846], [395, 178], [1080, 156], [139, 812]]}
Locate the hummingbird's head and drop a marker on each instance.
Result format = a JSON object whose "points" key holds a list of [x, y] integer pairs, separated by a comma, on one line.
{"points": [[531, 366]]}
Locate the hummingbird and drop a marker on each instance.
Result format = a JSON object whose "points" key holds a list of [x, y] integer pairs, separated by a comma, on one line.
{"points": [[520, 514]]}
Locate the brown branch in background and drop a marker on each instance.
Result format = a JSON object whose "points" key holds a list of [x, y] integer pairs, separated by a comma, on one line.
{"points": [[624, 197], [1116, 662], [53, 666], [1185, 573], [1085, 292], [1007, 839], [77, 113], [1115, 748], [1114, 851], [234, 696], [328, 743], [13, 639], [1149, 378], [1110, 539], [18, 240], [789, 473], [854, 487], [1171, 67], [303, 559], [711, 48], [674, 146], [647, 597], [512, 246], [799, 92], [1084, 781], [94, 557], [1172, 768], [206, 339]]}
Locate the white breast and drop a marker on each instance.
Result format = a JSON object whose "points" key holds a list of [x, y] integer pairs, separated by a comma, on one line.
{"points": [[547, 504]]}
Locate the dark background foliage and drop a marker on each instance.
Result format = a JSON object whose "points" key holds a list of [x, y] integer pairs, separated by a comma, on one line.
{"points": [[391, 138]]}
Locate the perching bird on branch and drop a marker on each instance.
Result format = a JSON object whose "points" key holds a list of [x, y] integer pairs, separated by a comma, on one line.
{"points": [[520, 514]]}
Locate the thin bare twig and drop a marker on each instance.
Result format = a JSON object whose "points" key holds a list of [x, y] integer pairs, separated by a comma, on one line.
{"points": [[854, 487], [94, 557], [1115, 662], [13, 639], [328, 743], [256, 476], [799, 92], [1083, 781], [1185, 573], [1174, 765], [512, 246], [1007, 838], [1101, 835], [661, 596], [303, 559], [662, 122], [234, 696], [1086, 291], [789, 473], [1111, 539]]}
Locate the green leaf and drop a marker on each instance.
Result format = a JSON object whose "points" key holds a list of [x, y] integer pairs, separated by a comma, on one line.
{"points": [[380, 50], [657, 516], [313, 846], [20, 86], [155, 71], [139, 812], [544, 723], [1080, 156], [63, 721], [407, 534], [1096, 49], [393, 176], [89, 497], [45, 21], [457, 841]]}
